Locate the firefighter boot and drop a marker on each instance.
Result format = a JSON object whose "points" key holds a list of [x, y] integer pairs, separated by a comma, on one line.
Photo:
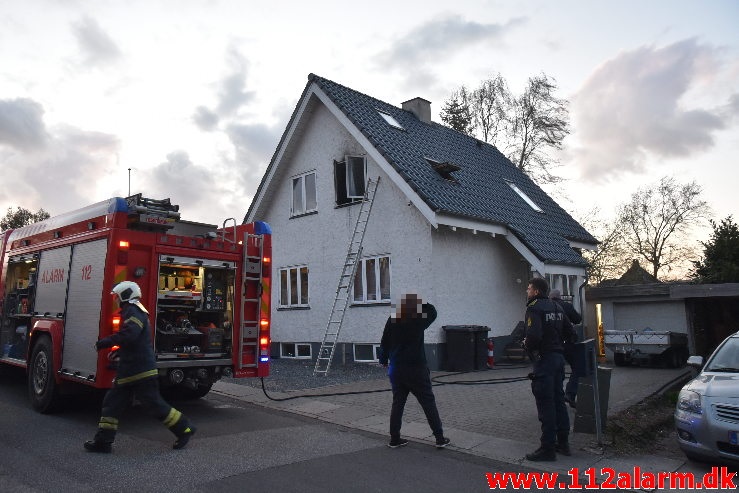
{"points": [[102, 443], [182, 429]]}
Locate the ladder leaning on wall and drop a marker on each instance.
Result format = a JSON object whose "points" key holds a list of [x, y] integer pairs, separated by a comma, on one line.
{"points": [[341, 301]]}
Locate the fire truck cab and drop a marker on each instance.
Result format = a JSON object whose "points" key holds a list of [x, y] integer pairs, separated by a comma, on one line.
{"points": [[207, 290]]}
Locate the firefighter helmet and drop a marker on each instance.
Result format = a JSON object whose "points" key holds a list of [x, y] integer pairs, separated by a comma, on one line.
{"points": [[127, 291]]}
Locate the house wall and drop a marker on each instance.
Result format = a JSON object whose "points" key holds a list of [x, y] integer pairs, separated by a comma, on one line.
{"points": [[321, 240], [472, 279], [477, 280]]}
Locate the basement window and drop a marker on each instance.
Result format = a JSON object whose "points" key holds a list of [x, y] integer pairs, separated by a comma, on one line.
{"points": [[295, 350], [366, 352], [524, 197], [445, 169], [390, 120]]}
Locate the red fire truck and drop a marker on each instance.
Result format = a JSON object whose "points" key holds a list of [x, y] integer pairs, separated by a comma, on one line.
{"points": [[207, 289]]}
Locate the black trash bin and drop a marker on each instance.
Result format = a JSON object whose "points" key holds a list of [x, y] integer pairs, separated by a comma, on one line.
{"points": [[466, 347]]}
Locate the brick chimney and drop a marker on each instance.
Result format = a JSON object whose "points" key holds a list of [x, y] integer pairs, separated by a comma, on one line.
{"points": [[419, 107]]}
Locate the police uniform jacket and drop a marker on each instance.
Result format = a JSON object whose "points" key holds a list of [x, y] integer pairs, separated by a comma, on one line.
{"points": [[136, 353], [546, 326]]}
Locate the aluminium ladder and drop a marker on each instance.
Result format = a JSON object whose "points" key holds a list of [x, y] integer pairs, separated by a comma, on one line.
{"points": [[341, 301]]}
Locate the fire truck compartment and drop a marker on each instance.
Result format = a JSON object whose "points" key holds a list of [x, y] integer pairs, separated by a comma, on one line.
{"points": [[195, 309]]}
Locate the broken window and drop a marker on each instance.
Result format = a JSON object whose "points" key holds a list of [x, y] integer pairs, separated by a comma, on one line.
{"points": [[350, 179]]}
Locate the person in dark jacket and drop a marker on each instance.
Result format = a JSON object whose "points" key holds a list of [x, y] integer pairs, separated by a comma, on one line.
{"points": [[137, 375], [403, 353], [546, 327], [569, 346]]}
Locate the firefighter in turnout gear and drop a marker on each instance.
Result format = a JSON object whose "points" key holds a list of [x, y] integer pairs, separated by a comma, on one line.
{"points": [[137, 375]]}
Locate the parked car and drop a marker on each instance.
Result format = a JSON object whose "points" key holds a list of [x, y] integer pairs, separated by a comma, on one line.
{"points": [[707, 411]]}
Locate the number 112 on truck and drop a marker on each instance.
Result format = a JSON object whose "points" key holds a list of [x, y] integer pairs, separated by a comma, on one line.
{"points": [[207, 290]]}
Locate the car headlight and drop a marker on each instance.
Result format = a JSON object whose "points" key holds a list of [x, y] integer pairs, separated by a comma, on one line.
{"points": [[689, 401]]}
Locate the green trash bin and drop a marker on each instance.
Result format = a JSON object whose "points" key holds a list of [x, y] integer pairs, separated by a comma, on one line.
{"points": [[466, 347]]}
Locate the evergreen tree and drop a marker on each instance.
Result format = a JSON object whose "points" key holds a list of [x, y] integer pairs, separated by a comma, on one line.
{"points": [[21, 217], [456, 112], [720, 262]]}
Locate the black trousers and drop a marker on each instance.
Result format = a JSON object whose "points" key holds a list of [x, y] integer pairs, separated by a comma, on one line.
{"points": [[146, 391], [415, 380], [549, 374]]}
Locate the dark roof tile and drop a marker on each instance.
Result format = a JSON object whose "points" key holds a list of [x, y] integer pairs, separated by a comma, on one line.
{"points": [[481, 190]]}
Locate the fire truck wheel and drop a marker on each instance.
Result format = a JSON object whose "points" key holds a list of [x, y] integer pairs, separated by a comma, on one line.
{"points": [[183, 393], [42, 387]]}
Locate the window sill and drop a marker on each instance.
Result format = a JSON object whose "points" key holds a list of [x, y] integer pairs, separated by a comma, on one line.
{"points": [[370, 303], [290, 308], [296, 216], [348, 204]]}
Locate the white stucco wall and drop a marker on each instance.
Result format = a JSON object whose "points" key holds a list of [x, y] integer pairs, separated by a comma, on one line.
{"points": [[320, 240], [477, 280]]}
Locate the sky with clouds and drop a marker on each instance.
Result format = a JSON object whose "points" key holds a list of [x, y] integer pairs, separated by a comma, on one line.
{"points": [[193, 95]]}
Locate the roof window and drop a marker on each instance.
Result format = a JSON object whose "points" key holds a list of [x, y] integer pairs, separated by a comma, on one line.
{"points": [[390, 120], [524, 196], [445, 169]]}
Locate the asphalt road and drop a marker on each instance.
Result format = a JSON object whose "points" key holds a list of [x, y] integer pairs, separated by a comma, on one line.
{"points": [[238, 447]]}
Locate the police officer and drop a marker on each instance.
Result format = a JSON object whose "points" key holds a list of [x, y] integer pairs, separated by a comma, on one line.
{"points": [[546, 326], [137, 375]]}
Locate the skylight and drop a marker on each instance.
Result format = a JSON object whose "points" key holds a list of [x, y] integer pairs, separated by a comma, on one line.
{"points": [[390, 120], [524, 196]]}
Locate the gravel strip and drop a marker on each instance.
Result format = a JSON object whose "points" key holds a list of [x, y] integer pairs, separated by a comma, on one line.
{"points": [[287, 375]]}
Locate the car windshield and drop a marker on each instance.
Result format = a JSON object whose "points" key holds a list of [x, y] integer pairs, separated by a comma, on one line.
{"points": [[726, 359]]}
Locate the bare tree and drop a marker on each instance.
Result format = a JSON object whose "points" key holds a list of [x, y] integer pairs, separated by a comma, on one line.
{"points": [[608, 261], [539, 122], [489, 106], [21, 217], [657, 219], [524, 128]]}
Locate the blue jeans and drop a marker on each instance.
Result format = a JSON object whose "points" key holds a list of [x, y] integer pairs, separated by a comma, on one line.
{"points": [[415, 380], [549, 374]]}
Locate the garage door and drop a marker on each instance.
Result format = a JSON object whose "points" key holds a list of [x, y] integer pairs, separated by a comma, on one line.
{"points": [[666, 315]]}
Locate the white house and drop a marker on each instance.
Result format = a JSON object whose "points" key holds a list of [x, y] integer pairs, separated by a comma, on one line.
{"points": [[452, 220]]}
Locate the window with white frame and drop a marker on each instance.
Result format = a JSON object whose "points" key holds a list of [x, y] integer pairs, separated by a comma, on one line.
{"points": [[294, 287], [372, 280], [366, 352], [296, 350], [303, 198], [350, 177]]}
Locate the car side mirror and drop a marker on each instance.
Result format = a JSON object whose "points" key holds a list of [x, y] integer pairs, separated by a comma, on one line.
{"points": [[696, 362]]}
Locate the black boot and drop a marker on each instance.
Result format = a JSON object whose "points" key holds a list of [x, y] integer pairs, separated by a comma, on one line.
{"points": [[563, 444], [183, 430], [563, 448], [99, 447], [542, 454], [103, 441]]}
